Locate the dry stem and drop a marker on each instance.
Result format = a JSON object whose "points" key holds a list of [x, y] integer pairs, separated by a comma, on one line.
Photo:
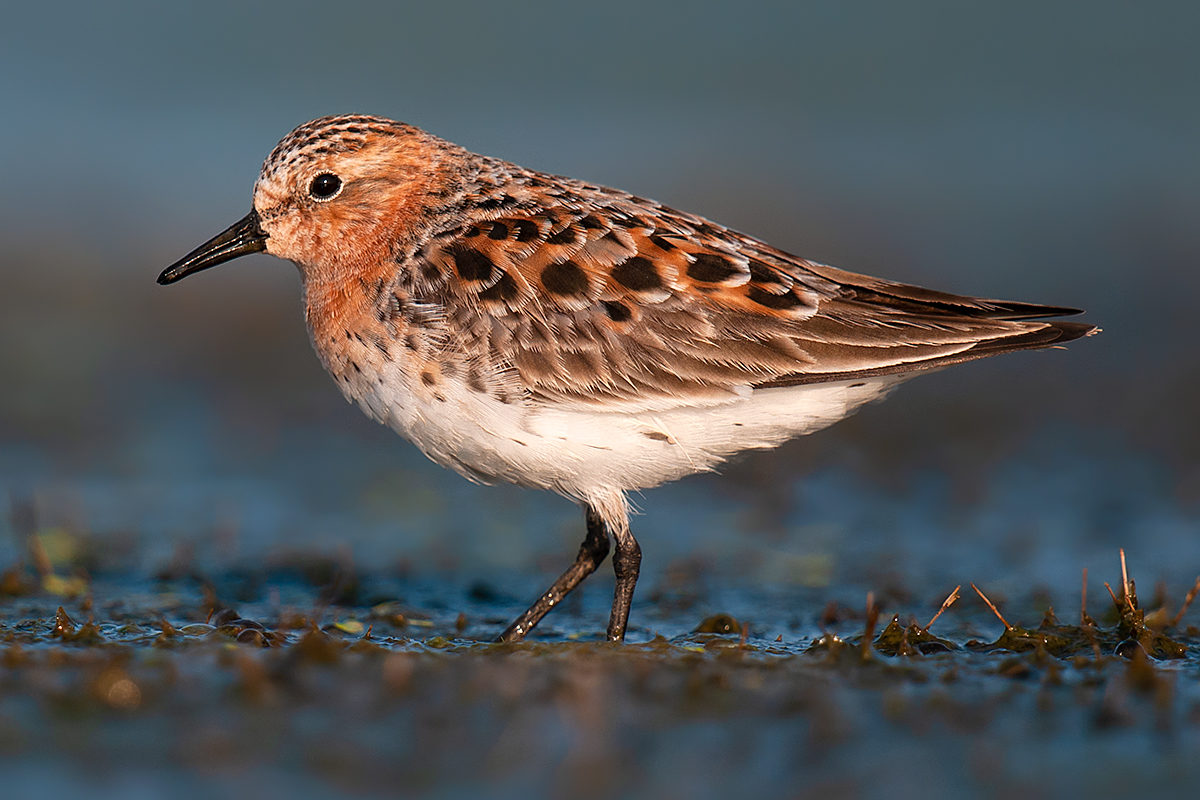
{"points": [[1187, 601], [992, 606], [949, 601]]}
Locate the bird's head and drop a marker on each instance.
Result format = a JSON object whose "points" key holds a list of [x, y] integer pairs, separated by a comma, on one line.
{"points": [[336, 196]]}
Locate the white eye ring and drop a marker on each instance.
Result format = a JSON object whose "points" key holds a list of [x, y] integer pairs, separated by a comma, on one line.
{"points": [[325, 186]]}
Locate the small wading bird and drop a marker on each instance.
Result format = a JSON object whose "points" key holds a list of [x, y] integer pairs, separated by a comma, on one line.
{"points": [[556, 334]]}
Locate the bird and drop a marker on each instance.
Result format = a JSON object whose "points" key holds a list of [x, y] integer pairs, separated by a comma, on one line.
{"points": [[529, 328]]}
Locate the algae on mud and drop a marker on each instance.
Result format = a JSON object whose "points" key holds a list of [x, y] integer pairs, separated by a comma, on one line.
{"points": [[294, 690]]}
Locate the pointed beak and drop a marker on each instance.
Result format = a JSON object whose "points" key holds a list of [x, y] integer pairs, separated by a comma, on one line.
{"points": [[241, 238]]}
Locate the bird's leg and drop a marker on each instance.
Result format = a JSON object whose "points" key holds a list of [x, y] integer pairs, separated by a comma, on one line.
{"points": [[591, 553], [626, 563]]}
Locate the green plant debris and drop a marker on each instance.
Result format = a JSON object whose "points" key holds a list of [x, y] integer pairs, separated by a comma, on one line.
{"points": [[284, 655]]}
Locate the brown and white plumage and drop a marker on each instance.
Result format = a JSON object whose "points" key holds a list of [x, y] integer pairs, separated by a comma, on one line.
{"points": [[552, 333]]}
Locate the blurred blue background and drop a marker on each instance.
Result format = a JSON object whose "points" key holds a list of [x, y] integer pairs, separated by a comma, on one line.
{"points": [[1042, 152]]}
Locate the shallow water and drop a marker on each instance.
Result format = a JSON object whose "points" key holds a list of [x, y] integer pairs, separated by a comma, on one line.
{"points": [[292, 696], [294, 629]]}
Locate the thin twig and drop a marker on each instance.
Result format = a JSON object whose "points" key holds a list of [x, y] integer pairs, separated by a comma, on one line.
{"points": [[1083, 615], [992, 606], [1113, 595], [949, 601], [1127, 586], [1187, 601], [869, 631]]}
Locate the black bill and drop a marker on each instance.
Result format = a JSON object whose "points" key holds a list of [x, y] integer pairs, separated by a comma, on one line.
{"points": [[241, 238]]}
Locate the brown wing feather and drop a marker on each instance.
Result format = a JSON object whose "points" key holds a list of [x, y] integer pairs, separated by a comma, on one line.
{"points": [[606, 296]]}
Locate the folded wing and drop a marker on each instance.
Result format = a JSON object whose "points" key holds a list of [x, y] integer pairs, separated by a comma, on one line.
{"points": [[610, 299]]}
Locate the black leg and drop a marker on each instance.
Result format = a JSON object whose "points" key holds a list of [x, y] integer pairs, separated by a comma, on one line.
{"points": [[626, 563], [591, 553]]}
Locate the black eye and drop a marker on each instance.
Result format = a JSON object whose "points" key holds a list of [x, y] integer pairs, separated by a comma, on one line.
{"points": [[325, 186]]}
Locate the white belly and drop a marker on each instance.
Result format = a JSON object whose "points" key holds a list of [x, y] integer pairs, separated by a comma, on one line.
{"points": [[576, 450]]}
